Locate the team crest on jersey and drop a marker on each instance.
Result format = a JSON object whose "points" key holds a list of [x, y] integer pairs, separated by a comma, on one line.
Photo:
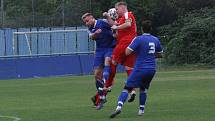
{"points": [[128, 20]]}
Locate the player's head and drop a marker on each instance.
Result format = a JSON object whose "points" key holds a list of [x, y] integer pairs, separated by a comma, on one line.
{"points": [[88, 19], [112, 13], [121, 8], [146, 26]]}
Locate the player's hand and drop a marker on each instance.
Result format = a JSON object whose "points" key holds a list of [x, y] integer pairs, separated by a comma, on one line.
{"points": [[98, 31], [105, 14], [114, 27], [105, 89]]}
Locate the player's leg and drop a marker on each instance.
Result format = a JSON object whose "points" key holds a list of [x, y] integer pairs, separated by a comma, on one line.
{"points": [[109, 70], [98, 76], [130, 84], [100, 86], [129, 64], [98, 73], [99, 81], [121, 100], [105, 77], [108, 85], [144, 86], [110, 81]]}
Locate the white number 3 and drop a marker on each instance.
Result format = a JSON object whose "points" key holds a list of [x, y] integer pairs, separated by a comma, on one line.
{"points": [[151, 48]]}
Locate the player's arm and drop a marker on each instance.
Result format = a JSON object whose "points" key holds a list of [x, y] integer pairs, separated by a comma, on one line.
{"points": [[123, 26], [159, 50], [132, 47], [94, 35], [128, 51], [110, 21], [159, 55]]}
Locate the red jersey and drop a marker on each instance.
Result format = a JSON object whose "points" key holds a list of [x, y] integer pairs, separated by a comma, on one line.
{"points": [[125, 36]]}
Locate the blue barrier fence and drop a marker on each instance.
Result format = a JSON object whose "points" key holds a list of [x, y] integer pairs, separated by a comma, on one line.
{"points": [[54, 53], [52, 42], [45, 66]]}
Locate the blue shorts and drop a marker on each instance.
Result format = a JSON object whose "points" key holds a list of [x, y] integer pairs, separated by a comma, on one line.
{"points": [[140, 78], [100, 56]]}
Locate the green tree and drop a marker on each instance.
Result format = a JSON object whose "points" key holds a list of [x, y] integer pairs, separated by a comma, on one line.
{"points": [[190, 39]]}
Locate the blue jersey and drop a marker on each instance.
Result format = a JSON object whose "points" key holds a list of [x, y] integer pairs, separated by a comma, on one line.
{"points": [[145, 46], [105, 38]]}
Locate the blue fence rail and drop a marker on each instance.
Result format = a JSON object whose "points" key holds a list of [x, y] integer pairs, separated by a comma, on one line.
{"points": [[48, 43], [43, 66], [52, 53]]}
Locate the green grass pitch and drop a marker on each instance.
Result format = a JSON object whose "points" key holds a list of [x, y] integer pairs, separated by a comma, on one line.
{"points": [[173, 96]]}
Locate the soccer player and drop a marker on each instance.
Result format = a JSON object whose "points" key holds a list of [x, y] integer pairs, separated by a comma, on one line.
{"points": [[147, 48], [101, 32], [125, 27], [108, 85]]}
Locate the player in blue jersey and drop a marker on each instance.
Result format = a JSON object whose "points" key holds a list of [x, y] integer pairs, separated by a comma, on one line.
{"points": [[148, 48], [100, 31]]}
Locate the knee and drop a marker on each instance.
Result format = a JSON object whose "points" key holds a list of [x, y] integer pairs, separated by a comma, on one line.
{"points": [[106, 74], [143, 90], [97, 75], [128, 88]]}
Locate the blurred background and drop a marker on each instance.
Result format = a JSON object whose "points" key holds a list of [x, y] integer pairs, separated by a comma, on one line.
{"points": [[186, 28]]}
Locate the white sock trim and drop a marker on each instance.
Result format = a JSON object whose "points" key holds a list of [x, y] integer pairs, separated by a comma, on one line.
{"points": [[133, 92], [142, 106], [125, 90], [118, 107], [120, 102]]}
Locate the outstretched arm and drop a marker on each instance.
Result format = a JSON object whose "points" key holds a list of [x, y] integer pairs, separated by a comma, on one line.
{"points": [[128, 51], [159, 55], [122, 26], [111, 22], [94, 35]]}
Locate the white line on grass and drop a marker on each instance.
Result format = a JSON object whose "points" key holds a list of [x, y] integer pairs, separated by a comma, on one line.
{"points": [[11, 117]]}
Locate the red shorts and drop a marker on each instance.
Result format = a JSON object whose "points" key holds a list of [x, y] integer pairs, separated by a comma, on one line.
{"points": [[120, 57]]}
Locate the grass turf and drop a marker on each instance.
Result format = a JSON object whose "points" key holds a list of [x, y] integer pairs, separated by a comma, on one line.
{"points": [[173, 96]]}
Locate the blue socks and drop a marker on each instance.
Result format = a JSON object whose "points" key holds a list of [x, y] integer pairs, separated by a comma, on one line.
{"points": [[122, 98], [106, 72], [99, 86], [143, 96]]}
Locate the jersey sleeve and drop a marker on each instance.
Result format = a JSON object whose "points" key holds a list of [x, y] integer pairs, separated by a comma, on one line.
{"points": [[134, 44], [158, 48], [89, 32], [128, 17]]}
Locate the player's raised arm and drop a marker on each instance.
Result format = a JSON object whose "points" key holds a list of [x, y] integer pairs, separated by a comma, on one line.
{"points": [[90, 21], [110, 21], [95, 34], [122, 11], [159, 55]]}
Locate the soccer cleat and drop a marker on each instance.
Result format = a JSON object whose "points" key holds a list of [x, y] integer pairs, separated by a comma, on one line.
{"points": [[140, 112], [103, 101], [132, 97], [99, 106], [93, 99], [109, 89], [115, 113]]}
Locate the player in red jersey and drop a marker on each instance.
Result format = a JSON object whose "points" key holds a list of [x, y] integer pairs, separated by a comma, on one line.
{"points": [[125, 27]]}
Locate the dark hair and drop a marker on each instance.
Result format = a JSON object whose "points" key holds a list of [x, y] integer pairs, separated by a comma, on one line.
{"points": [[121, 3], [146, 26], [85, 15]]}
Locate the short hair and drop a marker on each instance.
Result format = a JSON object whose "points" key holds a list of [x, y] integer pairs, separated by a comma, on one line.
{"points": [[146, 26], [86, 15], [121, 3]]}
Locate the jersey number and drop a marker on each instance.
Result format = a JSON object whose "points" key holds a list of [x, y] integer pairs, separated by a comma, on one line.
{"points": [[151, 48]]}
